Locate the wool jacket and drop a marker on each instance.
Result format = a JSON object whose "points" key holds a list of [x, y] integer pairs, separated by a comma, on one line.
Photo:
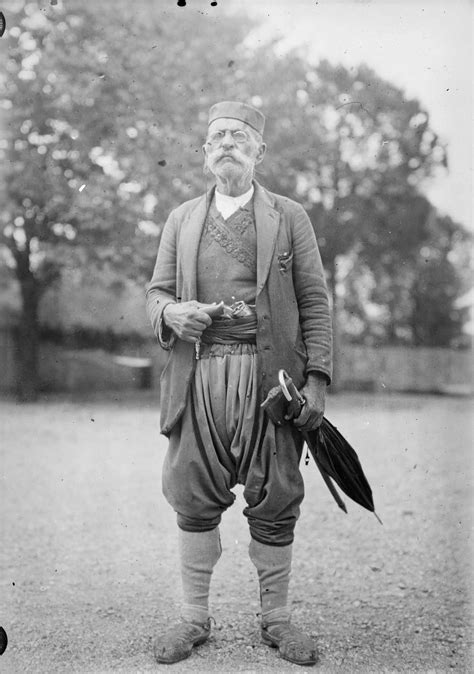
{"points": [[293, 319]]}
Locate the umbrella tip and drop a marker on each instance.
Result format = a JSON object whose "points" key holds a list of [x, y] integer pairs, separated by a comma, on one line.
{"points": [[378, 518]]}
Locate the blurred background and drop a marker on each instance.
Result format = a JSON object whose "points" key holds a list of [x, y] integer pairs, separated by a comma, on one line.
{"points": [[369, 126]]}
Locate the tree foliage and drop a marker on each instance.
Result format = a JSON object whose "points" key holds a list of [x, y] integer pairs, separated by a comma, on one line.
{"points": [[105, 113]]}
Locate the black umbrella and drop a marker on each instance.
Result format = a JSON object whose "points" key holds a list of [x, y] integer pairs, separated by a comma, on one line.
{"points": [[333, 455]]}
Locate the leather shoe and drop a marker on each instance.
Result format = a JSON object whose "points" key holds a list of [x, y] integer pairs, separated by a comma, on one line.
{"points": [[293, 645], [177, 643]]}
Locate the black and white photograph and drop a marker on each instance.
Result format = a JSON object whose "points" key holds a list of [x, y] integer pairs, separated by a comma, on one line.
{"points": [[236, 330]]}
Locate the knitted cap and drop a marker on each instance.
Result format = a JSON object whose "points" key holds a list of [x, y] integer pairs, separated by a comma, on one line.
{"points": [[241, 111]]}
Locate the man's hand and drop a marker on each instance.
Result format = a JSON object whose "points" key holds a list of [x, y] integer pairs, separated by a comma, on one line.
{"points": [[314, 392], [189, 319]]}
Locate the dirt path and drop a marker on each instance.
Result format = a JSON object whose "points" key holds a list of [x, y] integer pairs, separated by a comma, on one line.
{"points": [[89, 563]]}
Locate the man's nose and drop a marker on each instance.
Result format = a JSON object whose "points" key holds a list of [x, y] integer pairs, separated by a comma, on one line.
{"points": [[228, 140]]}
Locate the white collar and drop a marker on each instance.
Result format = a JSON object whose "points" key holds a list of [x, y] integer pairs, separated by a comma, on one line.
{"points": [[227, 205]]}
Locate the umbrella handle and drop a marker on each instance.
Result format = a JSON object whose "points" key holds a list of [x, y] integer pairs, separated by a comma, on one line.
{"points": [[286, 381]]}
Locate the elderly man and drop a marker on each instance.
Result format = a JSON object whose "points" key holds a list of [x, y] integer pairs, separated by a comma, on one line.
{"points": [[237, 293]]}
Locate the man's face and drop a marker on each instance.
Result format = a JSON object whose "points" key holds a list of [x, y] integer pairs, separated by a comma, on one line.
{"points": [[232, 149]]}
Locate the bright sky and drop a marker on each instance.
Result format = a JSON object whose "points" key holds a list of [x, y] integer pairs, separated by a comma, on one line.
{"points": [[425, 48]]}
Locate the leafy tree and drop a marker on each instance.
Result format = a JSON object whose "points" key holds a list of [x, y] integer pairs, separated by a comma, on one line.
{"points": [[409, 296], [434, 318], [435, 322]]}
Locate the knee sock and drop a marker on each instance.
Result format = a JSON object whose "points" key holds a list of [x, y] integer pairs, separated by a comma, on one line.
{"points": [[199, 552], [273, 564]]}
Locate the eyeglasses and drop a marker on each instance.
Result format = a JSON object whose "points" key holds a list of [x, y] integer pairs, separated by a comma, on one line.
{"points": [[238, 136]]}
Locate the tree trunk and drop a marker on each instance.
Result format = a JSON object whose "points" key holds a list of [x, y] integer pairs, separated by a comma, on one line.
{"points": [[28, 340]]}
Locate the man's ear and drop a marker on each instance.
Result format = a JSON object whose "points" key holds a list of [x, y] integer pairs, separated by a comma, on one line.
{"points": [[261, 153]]}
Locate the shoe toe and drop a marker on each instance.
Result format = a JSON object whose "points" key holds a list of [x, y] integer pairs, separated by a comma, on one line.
{"points": [[293, 645], [178, 642], [299, 654]]}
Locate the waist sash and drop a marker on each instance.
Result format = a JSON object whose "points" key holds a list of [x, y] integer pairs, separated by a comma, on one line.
{"points": [[239, 330]]}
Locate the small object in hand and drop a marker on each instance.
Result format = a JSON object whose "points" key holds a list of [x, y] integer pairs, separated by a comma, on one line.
{"points": [[275, 405], [241, 308]]}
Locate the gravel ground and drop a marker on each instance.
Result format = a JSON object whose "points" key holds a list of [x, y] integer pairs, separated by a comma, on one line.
{"points": [[89, 562]]}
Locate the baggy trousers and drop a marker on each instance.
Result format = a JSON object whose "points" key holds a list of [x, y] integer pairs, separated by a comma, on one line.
{"points": [[224, 438]]}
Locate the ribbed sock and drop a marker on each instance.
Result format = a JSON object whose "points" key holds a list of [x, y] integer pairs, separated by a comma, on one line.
{"points": [[199, 553], [273, 564]]}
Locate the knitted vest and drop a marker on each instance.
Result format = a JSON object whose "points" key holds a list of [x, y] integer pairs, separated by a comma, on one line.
{"points": [[227, 257]]}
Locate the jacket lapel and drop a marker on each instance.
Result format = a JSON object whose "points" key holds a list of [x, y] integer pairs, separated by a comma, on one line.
{"points": [[190, 237], [267, 220]]}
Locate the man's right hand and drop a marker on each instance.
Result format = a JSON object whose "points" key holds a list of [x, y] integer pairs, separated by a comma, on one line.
{"points": [[189, 319]]}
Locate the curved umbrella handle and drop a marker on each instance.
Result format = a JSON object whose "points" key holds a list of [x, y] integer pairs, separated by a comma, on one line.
{"points": [[289, 390]]}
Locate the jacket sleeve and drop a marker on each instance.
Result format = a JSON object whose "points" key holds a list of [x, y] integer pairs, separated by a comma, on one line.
{"points": [[312, 296], [162, 288]]}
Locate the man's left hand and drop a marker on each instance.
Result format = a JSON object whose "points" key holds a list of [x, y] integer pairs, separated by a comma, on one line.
{"points": [[314, 392]]}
